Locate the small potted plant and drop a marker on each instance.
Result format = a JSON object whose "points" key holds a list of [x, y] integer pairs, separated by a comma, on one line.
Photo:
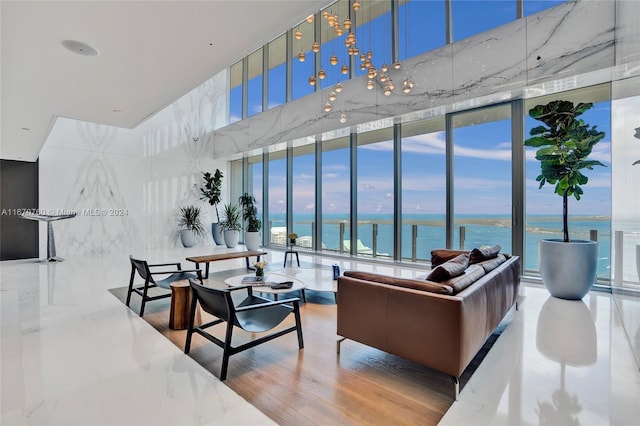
{"points": [[212, 193], [292, 238], [568, 267], [231, 224], [250, 215], [190, 225], [260, 268]]}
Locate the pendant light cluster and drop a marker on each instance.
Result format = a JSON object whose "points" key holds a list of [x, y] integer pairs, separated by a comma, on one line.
{"points": [[381, 75]]}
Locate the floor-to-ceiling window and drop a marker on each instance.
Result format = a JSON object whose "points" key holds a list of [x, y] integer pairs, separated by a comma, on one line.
{"points": [[336, 193], [376, 194], [591, 216], [423, 188], [472, 17], [421, 27], [254, 83], [482, 177], [235, 92], [534, 6], [277, 189], [302, 59], [373, 35], [304, 191], [277, 74]]}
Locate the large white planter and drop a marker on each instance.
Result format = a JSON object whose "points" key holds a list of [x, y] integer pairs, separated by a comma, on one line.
{"points": [[252, 240], [231, 238], [568, 269], [188, 238]]}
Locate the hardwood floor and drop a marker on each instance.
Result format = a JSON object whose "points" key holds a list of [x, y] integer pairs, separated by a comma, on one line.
{"points": [[315, 386]]}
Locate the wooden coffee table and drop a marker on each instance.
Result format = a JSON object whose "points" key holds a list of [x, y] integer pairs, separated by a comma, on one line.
{"points": [[298, 285]]}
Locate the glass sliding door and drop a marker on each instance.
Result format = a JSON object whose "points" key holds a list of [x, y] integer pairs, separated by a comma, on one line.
{"points": [[304, 192], [375, 194], [423, 188], [336, 194], [482, 178]]}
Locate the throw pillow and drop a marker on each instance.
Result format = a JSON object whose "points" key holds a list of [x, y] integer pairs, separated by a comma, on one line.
{"points": [[483, 253], [491, 264], [450, 269], [472, 274], [439, 256]]}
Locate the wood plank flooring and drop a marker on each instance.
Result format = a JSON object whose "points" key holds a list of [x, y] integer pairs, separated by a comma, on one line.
{"points": [[315, 386]]}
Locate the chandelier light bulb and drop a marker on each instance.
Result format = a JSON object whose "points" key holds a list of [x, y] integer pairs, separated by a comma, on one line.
{"points": [[345, 69], [356, 6], [363, 66], [367, 63], [310, 18], [333, 60], [298, 35], [339, 31], [315, 47], [355, 50], [370, 84], [343, 118], [347, 42], [363, 57], [327, 107], [383, 78], [347, 24], [387, 91], [332, 96], [338, 87], [391, 85], [351, 51], [396, 65], [312, 81], [325, 14], [406, 88], [411, 83], [385, 68], [322, 74], [369, 55]]}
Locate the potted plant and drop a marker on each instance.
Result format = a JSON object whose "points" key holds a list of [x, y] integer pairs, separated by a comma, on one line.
{"points": [[212, 193], [231, 224], [190, 225], [568, 267], [292, 238], [250, 216]]}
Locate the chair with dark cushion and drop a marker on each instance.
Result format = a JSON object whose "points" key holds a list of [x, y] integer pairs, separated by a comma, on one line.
{"points": [[144, 271], [253, 314]]}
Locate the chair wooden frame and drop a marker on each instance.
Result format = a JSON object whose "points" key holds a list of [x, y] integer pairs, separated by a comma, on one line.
{"points": [[144, 270], [220, 303]]}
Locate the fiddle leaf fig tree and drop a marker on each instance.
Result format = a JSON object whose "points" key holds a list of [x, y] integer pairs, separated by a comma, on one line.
{"points": [[564, 143], [212, 190]]}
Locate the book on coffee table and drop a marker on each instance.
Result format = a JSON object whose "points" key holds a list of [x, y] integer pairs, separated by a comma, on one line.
{"points": [[253, 280]]}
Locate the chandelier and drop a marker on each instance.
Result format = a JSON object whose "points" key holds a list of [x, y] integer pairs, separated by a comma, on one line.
{"points": [[381, 76]]}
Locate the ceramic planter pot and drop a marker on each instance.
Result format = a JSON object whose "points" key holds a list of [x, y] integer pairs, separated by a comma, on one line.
{"points": [[188, 238], [231, 238], [252, 240], [216, 233], [568, 269]]}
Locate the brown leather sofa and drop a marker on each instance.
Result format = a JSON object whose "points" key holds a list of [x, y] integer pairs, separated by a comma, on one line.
{"points": [[418, 320]]}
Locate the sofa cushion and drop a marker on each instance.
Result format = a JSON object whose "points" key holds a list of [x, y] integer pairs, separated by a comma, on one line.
{"points": [[483, 253], [491, 264], [430, 286], [439, 256], [472, 274], [449, 269]]}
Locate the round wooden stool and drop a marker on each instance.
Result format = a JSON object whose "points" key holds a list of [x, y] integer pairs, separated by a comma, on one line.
{"points": [[180, 306]]}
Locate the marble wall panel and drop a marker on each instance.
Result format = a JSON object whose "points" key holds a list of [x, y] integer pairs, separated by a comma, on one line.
{"points": [[486, 64], [572, 38], [628, 37]]}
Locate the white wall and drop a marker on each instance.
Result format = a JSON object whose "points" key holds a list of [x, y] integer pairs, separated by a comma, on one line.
{"points": [[127, 184]]}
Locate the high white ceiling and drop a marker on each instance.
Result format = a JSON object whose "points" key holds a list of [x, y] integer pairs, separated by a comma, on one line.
{"points": [[151, 53]]}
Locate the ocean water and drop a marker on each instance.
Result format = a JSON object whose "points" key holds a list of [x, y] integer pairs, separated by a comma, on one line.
{"points": [[477, 230]]}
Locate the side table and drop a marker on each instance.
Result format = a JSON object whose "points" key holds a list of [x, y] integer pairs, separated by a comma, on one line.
{"points": [[180, 306], [290, 251]]}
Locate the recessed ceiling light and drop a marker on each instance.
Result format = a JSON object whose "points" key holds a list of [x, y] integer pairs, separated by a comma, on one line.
{"points": [[80, 48]]}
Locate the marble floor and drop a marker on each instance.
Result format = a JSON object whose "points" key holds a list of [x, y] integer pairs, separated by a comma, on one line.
{"points": [[72, 354]]}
